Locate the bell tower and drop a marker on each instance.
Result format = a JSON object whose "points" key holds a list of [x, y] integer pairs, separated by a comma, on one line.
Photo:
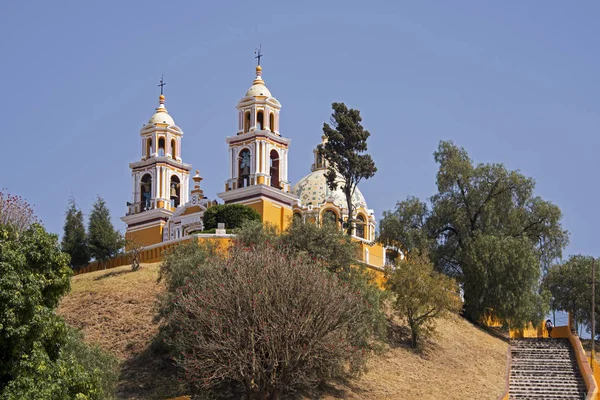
{"points": [[258, 157], [160, 179]]}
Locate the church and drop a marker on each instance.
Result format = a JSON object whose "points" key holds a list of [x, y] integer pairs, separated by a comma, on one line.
{"points": [[164, 210]]}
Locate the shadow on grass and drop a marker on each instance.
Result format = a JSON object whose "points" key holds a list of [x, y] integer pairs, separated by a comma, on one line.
{"points": [[149, 375], [398, 335], [113, 273]]}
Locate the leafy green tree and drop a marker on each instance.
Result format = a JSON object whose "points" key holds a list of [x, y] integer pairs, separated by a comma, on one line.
{"points": [[105, 242], [485, 228], [569, 284], [345, 143], [74, 241], [35, 360], [421, 295], [232, 215]]}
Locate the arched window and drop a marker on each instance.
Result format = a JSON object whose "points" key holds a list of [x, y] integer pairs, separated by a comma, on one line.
{"points": [[361, 226], [146, 192], [244, 168], [260, 120], [148, 147], [161, 146], [329, 217], [173, 149], [274, 170], [174, 193], [272, 121], [246, 121]]}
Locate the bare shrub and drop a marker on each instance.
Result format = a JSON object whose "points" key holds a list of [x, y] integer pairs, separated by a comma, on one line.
{"points": [[15, 211], [269, 319]]}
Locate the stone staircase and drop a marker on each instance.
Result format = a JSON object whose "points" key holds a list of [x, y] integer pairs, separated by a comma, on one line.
{"points": [[544, 369]]}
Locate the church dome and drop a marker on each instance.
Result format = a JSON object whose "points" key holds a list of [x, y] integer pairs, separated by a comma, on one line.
{"points": [[258, 87], [161, 116], [313, 189], [258, 90]]}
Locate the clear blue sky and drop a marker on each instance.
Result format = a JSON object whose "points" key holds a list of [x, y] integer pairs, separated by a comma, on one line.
{"points": [[512, 82]]}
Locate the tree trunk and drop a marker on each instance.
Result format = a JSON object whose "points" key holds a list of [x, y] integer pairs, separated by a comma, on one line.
{"points": [[350, 213], [414, 334]]}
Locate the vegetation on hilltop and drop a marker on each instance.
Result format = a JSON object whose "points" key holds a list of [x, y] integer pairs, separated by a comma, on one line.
{"points": [[39, 356], [485, 228], [345, 143]]}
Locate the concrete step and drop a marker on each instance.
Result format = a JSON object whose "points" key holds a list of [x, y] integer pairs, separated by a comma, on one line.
{"points": [[544, 369]]}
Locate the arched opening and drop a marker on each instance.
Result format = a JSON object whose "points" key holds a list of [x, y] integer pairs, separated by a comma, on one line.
{"points": [[148, 147], [260, 120], [146, 192], [161, 146], [361, 226], [173, 149], [272, 122], [274, 170], [244, 168], [329, 217], [246, 121], [297, 216], [174, 193]]}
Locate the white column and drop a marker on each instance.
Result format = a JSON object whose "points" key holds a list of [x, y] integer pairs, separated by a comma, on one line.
{"points": [[235, 163], [134, 180], [230, 163], [256, 159], [155, 183]]}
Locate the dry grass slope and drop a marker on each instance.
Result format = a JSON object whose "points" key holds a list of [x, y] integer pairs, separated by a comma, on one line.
{"points": [[115, 309]]}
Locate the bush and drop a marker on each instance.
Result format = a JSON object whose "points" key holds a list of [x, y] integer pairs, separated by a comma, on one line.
{"points": [[232, 215], [103, 366], [35, 361], [421, 295], [177, 266], [268, 319]]}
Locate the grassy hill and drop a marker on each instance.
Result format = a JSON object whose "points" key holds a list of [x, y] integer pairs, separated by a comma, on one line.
{"points": [[114, 309]]}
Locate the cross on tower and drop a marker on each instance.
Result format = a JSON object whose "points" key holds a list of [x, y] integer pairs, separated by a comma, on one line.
{"points": [[258, 53], [162, 83]]}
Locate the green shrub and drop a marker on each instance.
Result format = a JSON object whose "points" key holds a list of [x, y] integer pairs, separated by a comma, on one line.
{"points": [[232, 215], [35, 360], [178, 265], [421, 295]]}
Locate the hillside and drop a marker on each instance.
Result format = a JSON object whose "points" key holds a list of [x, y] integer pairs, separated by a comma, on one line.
{"points": [[115, 309]]}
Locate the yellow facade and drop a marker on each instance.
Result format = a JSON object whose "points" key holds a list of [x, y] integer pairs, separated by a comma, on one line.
{"points": [[146, 236]]}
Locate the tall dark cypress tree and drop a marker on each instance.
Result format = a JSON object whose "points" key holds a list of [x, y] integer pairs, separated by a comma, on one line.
{"points": [[105, 242], [75, 241], [344, 149]]}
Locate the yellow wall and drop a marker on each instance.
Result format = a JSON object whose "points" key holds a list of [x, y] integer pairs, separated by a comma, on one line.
{"points": [[273, 213], [154, 254], [147, 236]]}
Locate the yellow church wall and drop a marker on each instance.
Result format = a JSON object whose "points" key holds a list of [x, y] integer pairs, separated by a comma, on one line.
{"points": [[146, 236]]}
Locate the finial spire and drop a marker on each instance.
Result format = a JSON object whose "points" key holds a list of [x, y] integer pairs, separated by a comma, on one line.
{"points": [[162, 84], [258, 53]]}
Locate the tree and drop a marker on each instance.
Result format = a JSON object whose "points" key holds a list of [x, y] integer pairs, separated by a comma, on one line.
{"points": [[105, 242], [74, 241], [232, 215], [569, 284], [421, 295], [345, 141], [269, 320], [15, 211], [135, 253], [485, 228], [35, 356]]}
